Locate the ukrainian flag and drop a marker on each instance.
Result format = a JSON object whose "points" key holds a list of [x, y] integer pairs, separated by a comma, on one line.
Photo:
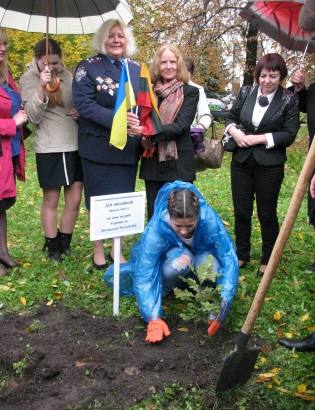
{"points": [[125, 101]]}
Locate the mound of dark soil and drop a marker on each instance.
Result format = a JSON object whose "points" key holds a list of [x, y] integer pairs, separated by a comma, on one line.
{"points": [[70, 358]]}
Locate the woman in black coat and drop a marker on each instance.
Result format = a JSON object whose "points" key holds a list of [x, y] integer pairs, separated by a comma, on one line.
{"points": [[173, 157], [262, 123]]}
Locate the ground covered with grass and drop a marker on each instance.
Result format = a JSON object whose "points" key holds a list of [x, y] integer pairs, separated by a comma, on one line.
{"points": [[60, 348]]}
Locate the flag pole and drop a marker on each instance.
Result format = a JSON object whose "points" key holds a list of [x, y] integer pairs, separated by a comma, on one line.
{"points": [[129, 84]]}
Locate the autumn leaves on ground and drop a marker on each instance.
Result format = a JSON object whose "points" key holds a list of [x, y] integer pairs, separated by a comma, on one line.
{"points": [[60, 348]]}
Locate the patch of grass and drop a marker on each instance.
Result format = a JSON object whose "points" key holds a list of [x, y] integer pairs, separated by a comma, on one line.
{"points": [[174, 397], [75, 284]]}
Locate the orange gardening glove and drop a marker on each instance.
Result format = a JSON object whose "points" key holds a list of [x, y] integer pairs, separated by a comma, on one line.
{"points": [[216, 321], [214, 327], [156, 331]]}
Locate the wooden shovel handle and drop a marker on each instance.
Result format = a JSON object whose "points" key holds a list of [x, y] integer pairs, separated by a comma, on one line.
{"points": [[286, 228]]}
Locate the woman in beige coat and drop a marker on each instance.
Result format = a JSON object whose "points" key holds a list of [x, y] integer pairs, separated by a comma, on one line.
{"points": [[56, 143]]}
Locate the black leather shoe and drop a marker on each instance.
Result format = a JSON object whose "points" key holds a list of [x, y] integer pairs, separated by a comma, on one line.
{"points": [[301, 345], [103, 266]]}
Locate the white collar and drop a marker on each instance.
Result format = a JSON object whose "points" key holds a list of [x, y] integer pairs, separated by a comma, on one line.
{"points": [[269, 96]]}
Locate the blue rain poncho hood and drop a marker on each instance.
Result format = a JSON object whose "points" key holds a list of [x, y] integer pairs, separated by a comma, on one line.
{"points": [[142, 276]]}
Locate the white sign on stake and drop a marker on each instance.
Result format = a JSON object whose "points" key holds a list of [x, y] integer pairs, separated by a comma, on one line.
{"points": [[113, 216]]}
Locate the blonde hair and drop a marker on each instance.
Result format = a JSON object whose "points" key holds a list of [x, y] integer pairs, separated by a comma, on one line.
{"points": [[4, 71], [102, 34], [182, 73]]}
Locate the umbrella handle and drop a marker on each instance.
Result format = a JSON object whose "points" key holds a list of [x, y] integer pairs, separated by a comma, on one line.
{"points": [[286, 228]]}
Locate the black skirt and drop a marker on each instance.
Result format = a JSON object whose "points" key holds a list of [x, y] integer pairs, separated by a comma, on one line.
{"points": [[107, 179], [57, 169], [6, 203]]}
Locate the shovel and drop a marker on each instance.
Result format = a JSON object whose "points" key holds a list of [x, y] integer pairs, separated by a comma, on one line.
{"points": [[239, 365]]}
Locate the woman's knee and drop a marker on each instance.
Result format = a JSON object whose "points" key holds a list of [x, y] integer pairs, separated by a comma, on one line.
{"points": [[51, 198], [178, 262]]}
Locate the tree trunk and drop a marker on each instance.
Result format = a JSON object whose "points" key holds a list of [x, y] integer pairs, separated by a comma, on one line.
{"points": [[251, 55]]}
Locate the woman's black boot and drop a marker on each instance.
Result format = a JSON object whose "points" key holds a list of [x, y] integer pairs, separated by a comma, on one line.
{"points": [[53, 246], [64, 241]]}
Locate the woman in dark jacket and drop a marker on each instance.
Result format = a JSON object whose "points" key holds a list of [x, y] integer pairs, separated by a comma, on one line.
{"points": [[263, 122], [173, 158], [106, 169]]}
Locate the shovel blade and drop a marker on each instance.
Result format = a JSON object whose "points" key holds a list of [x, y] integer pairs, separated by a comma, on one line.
{"points": [[237, 369]]}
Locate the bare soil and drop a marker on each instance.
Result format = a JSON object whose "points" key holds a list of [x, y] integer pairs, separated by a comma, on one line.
{"points": [[70, 358]]}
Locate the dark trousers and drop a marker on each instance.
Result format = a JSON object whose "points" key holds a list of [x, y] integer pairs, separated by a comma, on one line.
{"points": [[249, 181], [152, 188]]}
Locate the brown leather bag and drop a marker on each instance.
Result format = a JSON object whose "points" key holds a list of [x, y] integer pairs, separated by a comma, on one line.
{"points": [[213, 154]]}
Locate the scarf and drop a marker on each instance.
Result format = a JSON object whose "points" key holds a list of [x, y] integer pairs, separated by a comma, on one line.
{"points": [[172, 97]]}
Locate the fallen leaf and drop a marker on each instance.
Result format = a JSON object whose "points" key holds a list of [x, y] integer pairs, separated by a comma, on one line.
{"points": [[277, 316], [275, 370], [301, 388], [311, 328], [268, 298], [183, 329], [305, 317], [305, 396], [5, 287], [58, 295], [50, 302], [22, 300], [264, 377], [282, 389], [288, 335], [26, 265], [262, 359], [225, 222]]}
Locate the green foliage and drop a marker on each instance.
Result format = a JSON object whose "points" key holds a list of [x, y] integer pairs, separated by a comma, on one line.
{"points": [[199, 296], [21, 365], [21, 49], [174, 397]]}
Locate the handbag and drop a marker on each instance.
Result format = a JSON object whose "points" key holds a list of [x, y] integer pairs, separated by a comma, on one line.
{"points": [[212, 156]]}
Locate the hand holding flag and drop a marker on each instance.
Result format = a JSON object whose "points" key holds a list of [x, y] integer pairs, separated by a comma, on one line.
{"points": [[149, 113], [125, 101]]}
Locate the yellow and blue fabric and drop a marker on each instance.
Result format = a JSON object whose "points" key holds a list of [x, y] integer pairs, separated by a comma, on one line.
{"points": [[125, 101]]}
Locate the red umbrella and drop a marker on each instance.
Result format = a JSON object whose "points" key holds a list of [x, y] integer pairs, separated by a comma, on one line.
{"points": [[279, 20]]}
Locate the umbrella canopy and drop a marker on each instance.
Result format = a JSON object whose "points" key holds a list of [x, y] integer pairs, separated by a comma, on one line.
{"points": [[65, 16], [279, 20]]}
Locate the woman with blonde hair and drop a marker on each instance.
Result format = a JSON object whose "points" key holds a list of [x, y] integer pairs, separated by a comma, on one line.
{"points": [[173, 157], [12, 155], [106, 169]]}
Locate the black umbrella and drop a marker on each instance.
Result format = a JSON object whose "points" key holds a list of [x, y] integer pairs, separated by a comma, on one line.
{"points": [[65, 16]]}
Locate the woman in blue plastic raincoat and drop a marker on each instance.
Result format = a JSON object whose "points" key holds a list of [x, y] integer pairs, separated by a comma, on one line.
{"points": [[182, 232]]}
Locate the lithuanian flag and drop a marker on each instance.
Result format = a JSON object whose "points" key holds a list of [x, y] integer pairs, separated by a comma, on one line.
{"points": [[125, 101], [149, 113]]}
